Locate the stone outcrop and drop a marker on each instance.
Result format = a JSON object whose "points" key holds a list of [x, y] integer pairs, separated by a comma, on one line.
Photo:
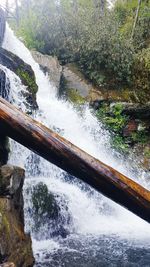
{"points": [[24, 71], [75, 80], [2, 25], [15, 245], [49, 65]]}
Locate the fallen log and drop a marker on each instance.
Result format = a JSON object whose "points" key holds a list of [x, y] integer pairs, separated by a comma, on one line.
{"points": [[70, 158]]}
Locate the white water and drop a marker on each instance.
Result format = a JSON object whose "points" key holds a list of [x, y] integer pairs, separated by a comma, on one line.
{"points": [[91, 213]]}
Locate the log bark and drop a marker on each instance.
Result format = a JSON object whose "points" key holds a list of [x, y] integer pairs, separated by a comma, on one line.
{"points": [[70, 158]]}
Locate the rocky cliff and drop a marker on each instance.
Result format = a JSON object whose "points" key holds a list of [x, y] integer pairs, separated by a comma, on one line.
{"points": [[15, 245]]}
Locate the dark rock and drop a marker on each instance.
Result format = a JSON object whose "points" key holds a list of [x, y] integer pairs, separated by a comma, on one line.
{"points": [[4, 85], [15, 245], [47, 211], [24, 71], [137, 111], [4, 149], [11, 180], [4, 92], [2, 25]]}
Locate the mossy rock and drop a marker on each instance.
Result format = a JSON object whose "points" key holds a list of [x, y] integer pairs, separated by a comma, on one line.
{"points": [[15, 245], [25, 73], [44, 203], [27, 79], [47, 211]]}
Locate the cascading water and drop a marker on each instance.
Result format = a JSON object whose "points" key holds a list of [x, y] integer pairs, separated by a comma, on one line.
{"points": [[99, 232]]}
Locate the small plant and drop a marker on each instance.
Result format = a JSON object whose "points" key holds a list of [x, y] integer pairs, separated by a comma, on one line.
{"points": [[114, 121], [113, 117]]}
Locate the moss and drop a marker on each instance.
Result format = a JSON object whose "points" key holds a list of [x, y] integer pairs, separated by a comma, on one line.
{"points": [[28, 80], [75, 97], [4, 223], [147, 152]]}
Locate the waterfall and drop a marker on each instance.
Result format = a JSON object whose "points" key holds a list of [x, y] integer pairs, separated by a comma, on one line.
{"points": [[94, 219]]}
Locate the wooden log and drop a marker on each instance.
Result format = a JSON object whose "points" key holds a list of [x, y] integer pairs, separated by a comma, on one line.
{"points": [[70, 158]]}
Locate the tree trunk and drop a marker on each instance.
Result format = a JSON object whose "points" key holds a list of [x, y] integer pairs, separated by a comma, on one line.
{"points": [[70, 158], [136, 19]]}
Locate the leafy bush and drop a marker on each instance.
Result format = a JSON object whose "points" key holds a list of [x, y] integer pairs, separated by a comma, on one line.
{"points": [[115, 121], [141, 72], [113, 117]]}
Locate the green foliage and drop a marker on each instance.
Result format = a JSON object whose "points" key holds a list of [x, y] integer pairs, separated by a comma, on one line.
{"points": [[118, 142], [75, 97], [140, 137], [115, 121], [113, 117], [100, 43], [124, 12], [141, 73], [28, 80], [147, 152]]}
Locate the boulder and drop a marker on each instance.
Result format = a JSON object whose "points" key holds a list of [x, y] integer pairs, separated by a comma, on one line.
{"points": [[47, 211], [15, 245], [4, 85], [49, 65]]}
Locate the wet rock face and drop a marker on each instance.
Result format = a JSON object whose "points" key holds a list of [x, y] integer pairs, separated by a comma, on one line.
{"points": [[49, 65], [2, 25], [75, 80], [11, 180], [15, 245]]}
